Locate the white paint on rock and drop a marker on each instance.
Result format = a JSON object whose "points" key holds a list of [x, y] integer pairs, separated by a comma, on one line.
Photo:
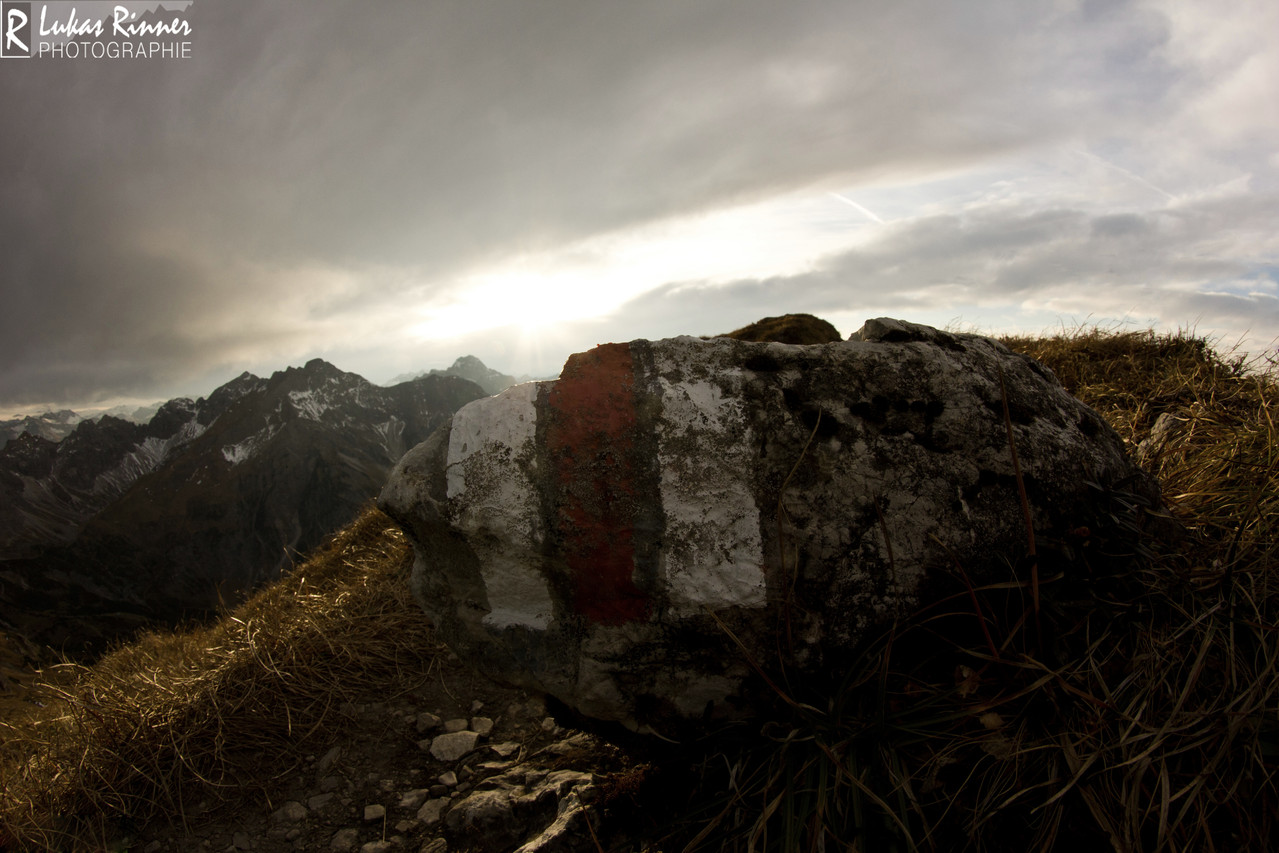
{"points": [[495, 502], [714, 557]]}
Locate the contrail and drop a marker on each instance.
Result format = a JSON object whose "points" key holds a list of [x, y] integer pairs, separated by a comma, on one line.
{"points": [[867, 213], [1121, 170]]}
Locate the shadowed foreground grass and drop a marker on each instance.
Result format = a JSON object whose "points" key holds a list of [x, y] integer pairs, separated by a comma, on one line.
{"points": [[174, 718], [1138, 710]]}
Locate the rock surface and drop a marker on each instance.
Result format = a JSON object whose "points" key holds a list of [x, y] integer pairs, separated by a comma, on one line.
{"points": [[787, 329], [594, 537], [530, 807]]}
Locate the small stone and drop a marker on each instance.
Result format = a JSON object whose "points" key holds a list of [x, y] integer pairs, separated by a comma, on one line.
{"points": [[293, 834], [330, 783], [377, 847], [242, 841], [375, 811], [505, 749], [452, 746], [290, 812], [319, 801], [439, 791], [457, 725], [344, 840], [431, 810], [477, 706], [448, 777], [328, 759], [387, 785], [413, 799], [426, 722], [481, 726], [549, 725], [406, 825]]}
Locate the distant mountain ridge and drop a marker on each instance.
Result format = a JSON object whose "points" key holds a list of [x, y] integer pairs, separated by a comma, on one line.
{"points": [[56, 426], [52, 426], [121, 522], [470, 367], [50, 488]]}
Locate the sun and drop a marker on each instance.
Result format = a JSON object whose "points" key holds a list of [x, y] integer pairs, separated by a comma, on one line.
{"points": [[532, 302]]}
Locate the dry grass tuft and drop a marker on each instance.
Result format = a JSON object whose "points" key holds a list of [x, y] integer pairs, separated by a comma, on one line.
{"points": [[1203, 424], [174, 718]]}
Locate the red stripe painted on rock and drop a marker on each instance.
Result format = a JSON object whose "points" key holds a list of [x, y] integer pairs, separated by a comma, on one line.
{"points": [[591, 437]]}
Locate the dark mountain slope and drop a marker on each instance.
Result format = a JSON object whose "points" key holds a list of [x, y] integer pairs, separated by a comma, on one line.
{"points": [[219, 507], [48, 490]]}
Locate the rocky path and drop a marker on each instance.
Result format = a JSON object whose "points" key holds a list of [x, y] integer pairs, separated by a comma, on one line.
{"points": [[454, 764]]}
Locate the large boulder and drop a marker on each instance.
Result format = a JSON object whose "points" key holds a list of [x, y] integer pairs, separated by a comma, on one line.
{"points": [[598, 537]]}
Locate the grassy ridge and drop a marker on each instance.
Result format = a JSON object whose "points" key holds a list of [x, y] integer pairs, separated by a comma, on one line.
{"points": [[181, 716], [1130, 709]]}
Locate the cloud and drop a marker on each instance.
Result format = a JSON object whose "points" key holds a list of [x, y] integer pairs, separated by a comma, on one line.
{"points": [[1176, 267], [319, 172]]}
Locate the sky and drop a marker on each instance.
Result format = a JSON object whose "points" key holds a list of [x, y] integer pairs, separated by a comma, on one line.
{"points": [[391, 185]]}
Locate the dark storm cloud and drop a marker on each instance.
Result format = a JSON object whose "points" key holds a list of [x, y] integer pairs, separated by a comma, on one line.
{"points": [[318, 165]]}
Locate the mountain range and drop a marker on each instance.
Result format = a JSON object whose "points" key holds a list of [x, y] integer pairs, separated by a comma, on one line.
{"points": [[56, 426], [470, 367], [53, 426], [119, 524]]}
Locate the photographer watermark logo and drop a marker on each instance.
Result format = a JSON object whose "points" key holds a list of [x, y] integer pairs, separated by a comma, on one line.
{"points": [[95, 29], [16, 42]]}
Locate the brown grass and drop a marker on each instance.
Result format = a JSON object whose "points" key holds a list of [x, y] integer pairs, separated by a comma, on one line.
{"points": [[174, 718]]}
